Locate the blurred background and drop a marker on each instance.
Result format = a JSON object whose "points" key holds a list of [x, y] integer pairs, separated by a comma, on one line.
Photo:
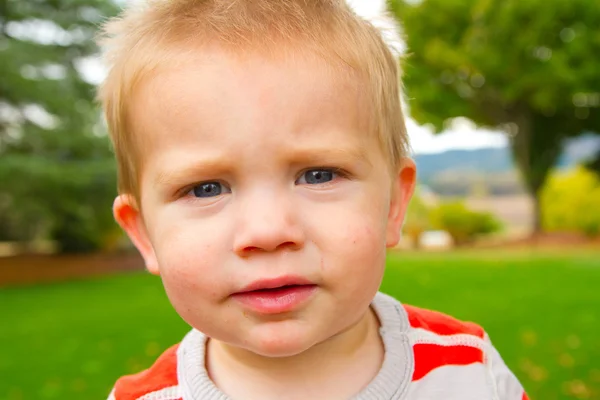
{"points": [[504, 105]]}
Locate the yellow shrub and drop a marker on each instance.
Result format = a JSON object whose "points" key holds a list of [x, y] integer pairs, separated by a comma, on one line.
{"points": [[570, 201]]}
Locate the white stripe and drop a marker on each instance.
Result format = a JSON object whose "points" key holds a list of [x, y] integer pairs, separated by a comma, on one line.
{"points": [[453, 382], [169, 393], [490, 366], [111, 396], [423, 336], [506, 385]]}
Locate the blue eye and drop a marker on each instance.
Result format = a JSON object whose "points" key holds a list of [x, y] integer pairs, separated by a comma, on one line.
{"points": [[208, 189], [317, 176]]}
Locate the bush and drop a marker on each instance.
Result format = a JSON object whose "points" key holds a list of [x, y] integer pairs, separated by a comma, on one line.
{"points": [[462, 224], [570, 201], [417, 219]]}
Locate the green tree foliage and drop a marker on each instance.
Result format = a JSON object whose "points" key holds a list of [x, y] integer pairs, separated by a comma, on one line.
{"points": [[56, 169], [527, 67], [462, 224], [571, 202]]}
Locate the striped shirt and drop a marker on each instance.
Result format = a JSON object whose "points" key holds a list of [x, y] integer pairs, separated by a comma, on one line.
{"points": [[428, 356]]}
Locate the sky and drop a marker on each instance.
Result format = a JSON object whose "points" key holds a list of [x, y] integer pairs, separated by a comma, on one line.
{"points": [[462, 133]]}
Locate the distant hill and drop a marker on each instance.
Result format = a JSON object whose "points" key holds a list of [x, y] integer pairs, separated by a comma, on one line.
{"points": [[491, 161]]}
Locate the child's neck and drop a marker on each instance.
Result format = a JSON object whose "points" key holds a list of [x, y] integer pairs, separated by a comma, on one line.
{"points": [[335, 369]]}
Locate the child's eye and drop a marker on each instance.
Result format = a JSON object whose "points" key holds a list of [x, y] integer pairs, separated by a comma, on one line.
{"points": [[316, 176], [209, 189]]}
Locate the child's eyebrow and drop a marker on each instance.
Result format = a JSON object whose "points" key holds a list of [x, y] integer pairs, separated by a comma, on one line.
{"points": [[177, 176], [214, 166], [329, 154]]}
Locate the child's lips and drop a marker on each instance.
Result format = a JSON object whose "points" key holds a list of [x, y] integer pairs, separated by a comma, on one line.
{"points": [[277, 282], [275, 296]]}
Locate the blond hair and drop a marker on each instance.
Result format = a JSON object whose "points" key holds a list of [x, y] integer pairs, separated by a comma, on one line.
{"points": [[146, 37]]}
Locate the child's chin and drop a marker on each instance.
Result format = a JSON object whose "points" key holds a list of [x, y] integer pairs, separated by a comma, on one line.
{"points": [[279, 350], [283, 345]]}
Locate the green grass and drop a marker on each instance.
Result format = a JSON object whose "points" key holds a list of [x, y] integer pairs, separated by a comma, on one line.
{"points": [[72, 340]]}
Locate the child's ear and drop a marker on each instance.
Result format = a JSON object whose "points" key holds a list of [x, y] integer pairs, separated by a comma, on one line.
{"points": [[128, 216], [403, 186]]}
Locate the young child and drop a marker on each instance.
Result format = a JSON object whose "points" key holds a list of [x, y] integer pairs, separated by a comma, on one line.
{"points": [[263, 173]]}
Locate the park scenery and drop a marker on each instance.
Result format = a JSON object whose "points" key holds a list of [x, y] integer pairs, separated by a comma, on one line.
{"points": [[503, 105]]}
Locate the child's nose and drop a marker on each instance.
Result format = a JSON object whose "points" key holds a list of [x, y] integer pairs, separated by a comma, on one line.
{"points": [[267, 224]]}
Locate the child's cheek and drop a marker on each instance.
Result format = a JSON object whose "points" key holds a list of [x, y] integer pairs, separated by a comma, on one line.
{"points": [[190, 267], [192, 284], [365, 228], [358, 246]]}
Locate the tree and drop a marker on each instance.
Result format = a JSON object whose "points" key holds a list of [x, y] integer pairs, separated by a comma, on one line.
{"points": [[56, 166], [526, 67]]}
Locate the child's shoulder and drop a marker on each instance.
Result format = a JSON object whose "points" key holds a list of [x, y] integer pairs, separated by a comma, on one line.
{"points": [[440, 323], [447, 350], [160, 380], [440, 340]]}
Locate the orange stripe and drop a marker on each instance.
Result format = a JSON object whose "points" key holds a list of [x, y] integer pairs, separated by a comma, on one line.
{"points": [[441, 324], [525, 397], [161, 375], [431, 356]]}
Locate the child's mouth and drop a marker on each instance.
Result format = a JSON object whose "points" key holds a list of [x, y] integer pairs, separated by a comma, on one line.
{"points": [[277, 290], [275, 299]]}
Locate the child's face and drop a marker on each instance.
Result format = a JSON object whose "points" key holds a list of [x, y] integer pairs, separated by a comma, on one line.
{"points": [[258, 170]]}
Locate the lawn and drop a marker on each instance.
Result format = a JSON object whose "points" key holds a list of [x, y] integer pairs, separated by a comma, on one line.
{"points": [[542, 310]]}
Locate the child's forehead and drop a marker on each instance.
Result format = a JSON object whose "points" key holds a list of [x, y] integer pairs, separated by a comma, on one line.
{"points": [[201, 81], [231, 63]]}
